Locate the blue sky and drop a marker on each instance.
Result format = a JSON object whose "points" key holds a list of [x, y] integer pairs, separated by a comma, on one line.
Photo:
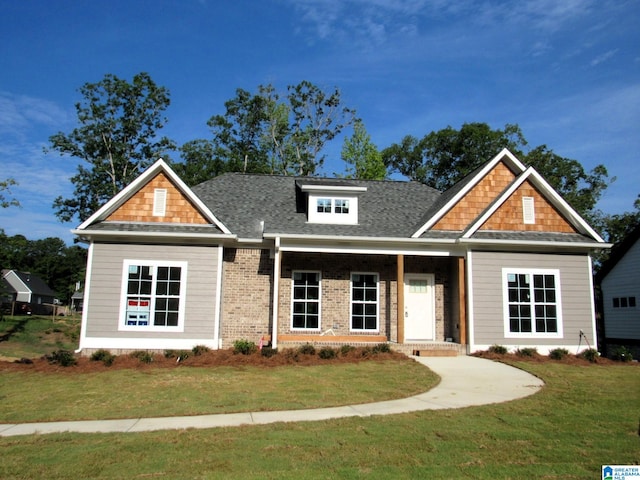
{"points": [[568, 72]]}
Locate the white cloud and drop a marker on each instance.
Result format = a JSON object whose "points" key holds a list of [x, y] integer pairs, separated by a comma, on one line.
{"points": [[603, 57]]}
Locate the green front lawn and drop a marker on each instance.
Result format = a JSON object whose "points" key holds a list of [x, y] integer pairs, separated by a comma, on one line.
{"points": [[584, 417]]}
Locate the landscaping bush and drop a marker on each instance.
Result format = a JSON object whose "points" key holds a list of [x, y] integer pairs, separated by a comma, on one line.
{"points": [[498, 349], [244, 347], [327, 353], [527, 352], [200, 349], [103, 356], [143, 356], [622, 354], [382, 348], [180, 355], [591, 354], [65, 358], [268, 352], [558, 353], [346, 350], [307, 349]]}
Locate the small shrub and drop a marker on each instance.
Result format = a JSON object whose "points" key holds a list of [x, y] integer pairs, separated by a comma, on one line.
{"points": [[381, 348], [200, 349], [143, 356], [291, 354], [591, 354], [103, 356], [244, 347], [346, 350], [622, 354], [65, 358], [180, 355], [498, 349], [558, 353], [307, 349], [327, 353], [268, 352], [527, 352]]}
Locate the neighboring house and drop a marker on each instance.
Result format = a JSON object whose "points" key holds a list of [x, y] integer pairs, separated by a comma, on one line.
{"points": [[619, 280], [26, 288], [500, 258]]}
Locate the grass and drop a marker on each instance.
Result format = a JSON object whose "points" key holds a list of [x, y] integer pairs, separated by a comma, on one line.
{"points": [[584, 417], [192, 390], [34, 336]]}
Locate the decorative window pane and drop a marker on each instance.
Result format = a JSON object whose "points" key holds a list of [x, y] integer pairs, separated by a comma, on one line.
{"points": [[342, 206], [532, 303], [632, 302], [153, 295], [324, 205], [306, 300], [616, 302], [364, 301]]}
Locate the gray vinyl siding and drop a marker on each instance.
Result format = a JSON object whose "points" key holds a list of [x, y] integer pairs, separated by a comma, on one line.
{"points": [[488, 313], [623, 281], [106, 288]]}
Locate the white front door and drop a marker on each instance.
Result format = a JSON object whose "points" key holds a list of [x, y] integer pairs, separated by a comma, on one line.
{"points": [[419, 307]]}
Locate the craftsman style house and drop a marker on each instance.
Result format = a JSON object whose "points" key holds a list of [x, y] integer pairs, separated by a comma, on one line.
{"points": [[500, 258]]}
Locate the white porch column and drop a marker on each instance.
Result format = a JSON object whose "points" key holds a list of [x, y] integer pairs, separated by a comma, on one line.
{"points": [[276, 288]]}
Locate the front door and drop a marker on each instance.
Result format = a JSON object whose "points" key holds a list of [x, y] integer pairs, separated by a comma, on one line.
{"points": [[419, 307]]}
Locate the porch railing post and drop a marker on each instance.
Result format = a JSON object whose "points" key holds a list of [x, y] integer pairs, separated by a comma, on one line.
{"points": [[400, 277]]}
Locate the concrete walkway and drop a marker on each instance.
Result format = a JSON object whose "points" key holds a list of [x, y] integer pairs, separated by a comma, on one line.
{"points": [[465, 381]]}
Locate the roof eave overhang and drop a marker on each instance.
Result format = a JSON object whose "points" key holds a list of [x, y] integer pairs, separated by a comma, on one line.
{"points": [[360, 239], [160, 237], [536, 244]]}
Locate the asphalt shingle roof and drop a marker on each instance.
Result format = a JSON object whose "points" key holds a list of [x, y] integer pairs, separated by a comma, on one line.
{"points": [[241, 202]]}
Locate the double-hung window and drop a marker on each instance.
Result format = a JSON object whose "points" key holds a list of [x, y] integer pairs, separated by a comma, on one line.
{"points": [[305, 303], [532, 303], [153, 295], [364, 301]]}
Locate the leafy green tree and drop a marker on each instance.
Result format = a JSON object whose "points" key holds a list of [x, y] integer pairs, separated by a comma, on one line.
{"points": [[58, 265], [116, 139], [5, 187], [269, 133], [364, 160], [442, 158], [615, 227]]}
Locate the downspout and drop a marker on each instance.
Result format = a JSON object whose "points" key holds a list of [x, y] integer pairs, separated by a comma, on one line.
{"points": [[276, 284]]}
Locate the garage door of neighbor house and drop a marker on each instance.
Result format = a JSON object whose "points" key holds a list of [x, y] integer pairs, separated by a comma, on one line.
{"points": [[419, 307]]}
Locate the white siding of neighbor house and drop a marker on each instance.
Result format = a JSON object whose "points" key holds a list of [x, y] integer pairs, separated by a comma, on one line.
{"points": [[488, 300], [623, 281], [103, 308]]}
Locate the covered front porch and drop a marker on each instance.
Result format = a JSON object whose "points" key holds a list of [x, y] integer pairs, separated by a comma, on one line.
{"points": [[417, 302]]}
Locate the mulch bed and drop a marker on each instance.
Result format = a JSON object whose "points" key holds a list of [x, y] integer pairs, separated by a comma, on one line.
{"points": [[213, 358]]}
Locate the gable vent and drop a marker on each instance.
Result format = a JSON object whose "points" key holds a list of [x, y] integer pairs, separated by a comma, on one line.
{"points": [[528, 212], [159, 202]]}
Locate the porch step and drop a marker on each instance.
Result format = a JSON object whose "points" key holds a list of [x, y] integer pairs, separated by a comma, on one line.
{"points": [[434, 353], [435, 349]]}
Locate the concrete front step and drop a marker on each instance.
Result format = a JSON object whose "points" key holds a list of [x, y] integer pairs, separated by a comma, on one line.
{"points": [[435, 349]]}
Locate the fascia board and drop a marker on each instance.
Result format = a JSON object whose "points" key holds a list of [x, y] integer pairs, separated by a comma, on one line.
{"points": [[534, 243], [335, 238], [16, 282], [169, 235], [330, 188], [141, 180], [505, 153]]}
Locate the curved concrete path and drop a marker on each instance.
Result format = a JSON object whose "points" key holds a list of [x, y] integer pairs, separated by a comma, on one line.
{"points": [[465, 381]]}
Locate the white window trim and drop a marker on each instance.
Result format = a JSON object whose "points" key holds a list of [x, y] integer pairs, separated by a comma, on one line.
{"points": [[122, 326], [332, 217], [360, 330], [505, 303], [298, 329], [159, 202]]}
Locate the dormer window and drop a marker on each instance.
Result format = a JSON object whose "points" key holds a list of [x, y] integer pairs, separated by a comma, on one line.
{"points": [[331, 203]]}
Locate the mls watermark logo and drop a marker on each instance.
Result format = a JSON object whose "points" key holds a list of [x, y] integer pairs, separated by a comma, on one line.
{"points": [[620, 472]]}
